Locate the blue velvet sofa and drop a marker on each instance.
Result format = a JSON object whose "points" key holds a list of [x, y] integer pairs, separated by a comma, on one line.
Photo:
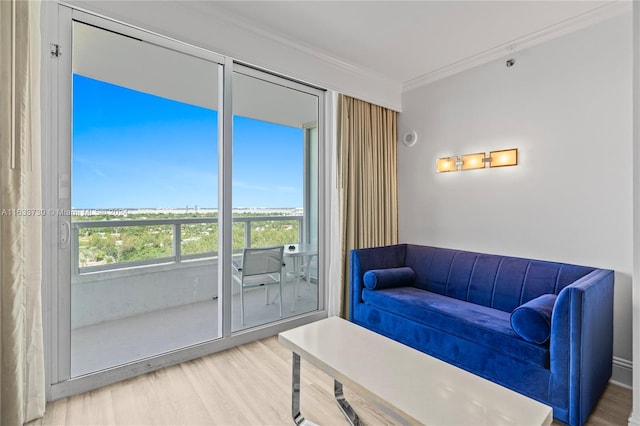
{"points": [[543, 329]]}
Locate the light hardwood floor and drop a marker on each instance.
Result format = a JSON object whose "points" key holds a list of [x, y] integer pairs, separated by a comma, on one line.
{"points": [[248, 385]]}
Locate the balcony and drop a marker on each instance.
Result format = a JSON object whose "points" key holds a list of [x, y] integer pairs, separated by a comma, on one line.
{"points": [[124, 311]]}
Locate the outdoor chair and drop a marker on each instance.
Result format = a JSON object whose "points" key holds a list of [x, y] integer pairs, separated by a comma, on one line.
{"points": [[260, 267]]}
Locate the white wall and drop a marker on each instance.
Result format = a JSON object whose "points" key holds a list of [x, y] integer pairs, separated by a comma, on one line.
{"points": [[567, 106], [634, 419]]}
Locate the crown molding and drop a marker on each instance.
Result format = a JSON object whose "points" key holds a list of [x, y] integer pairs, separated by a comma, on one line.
{"points": [[578, 22]]}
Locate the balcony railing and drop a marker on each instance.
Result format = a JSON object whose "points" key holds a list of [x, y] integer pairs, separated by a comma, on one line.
{"points": [[174, 253]]}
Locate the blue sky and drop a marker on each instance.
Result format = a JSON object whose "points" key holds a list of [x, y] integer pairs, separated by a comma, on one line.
{"points": [[135, 150]]}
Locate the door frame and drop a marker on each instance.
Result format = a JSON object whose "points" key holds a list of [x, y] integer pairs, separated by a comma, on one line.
{"points": [[56, 168]]}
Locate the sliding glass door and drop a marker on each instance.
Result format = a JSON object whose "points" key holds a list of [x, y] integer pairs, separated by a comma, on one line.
{"points": [[275, 176], [173, 166], [143, 219]]}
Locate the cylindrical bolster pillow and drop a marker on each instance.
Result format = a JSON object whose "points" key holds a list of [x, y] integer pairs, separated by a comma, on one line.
{"points": [[532, 320], [377, 279]]}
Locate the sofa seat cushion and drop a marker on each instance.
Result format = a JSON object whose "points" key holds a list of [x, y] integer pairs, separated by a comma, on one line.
{"points": [[475, 323]]}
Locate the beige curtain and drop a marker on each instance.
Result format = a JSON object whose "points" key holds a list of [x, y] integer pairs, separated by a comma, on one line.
{"points": [[22, 383], [367, 178]]}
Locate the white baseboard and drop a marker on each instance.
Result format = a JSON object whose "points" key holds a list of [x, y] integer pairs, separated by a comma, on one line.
{"points": [[622, 376], [622, 373]]}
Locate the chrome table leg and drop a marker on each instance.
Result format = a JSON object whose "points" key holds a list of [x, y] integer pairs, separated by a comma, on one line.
{"points": [[348, 412], [298, 419], [295, 395]]}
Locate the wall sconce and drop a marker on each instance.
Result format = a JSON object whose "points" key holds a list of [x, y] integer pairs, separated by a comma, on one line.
{"points": [[506, 157], [502, 158], [473, 161], [447, 164]]}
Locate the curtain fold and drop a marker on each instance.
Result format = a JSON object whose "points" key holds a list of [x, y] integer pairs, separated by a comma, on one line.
{"points": [[367, 177], [22, 383]]}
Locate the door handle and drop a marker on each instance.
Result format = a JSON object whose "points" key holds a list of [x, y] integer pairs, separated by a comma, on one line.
{"points": [[65, 234]]}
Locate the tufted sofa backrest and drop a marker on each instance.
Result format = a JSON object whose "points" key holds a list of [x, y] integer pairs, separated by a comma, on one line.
{"points": [[499, 282]]}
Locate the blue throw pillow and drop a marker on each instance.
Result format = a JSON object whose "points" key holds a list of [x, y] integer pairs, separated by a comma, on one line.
{"points": [[377, 279], [532, 320]]}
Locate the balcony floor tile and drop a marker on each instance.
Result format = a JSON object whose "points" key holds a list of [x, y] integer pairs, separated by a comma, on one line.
{"points": [[112, 343]]}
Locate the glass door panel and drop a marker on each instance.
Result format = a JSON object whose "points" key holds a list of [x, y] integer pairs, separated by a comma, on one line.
{"points": [[144, 228], [274, 199]]}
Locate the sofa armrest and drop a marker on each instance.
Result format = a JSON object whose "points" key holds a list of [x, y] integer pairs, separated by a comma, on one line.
{"points": [[581, 343], [363, 260]]}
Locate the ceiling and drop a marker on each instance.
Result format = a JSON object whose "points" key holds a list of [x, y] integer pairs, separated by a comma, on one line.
{"points": [[372, 50], [403, 40]]}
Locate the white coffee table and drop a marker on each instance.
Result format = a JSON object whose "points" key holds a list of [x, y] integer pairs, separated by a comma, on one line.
{"points": [[414, 386]]}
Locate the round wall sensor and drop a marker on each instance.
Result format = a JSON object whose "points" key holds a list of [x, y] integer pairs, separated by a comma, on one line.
{"points": [[410, 138]]}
